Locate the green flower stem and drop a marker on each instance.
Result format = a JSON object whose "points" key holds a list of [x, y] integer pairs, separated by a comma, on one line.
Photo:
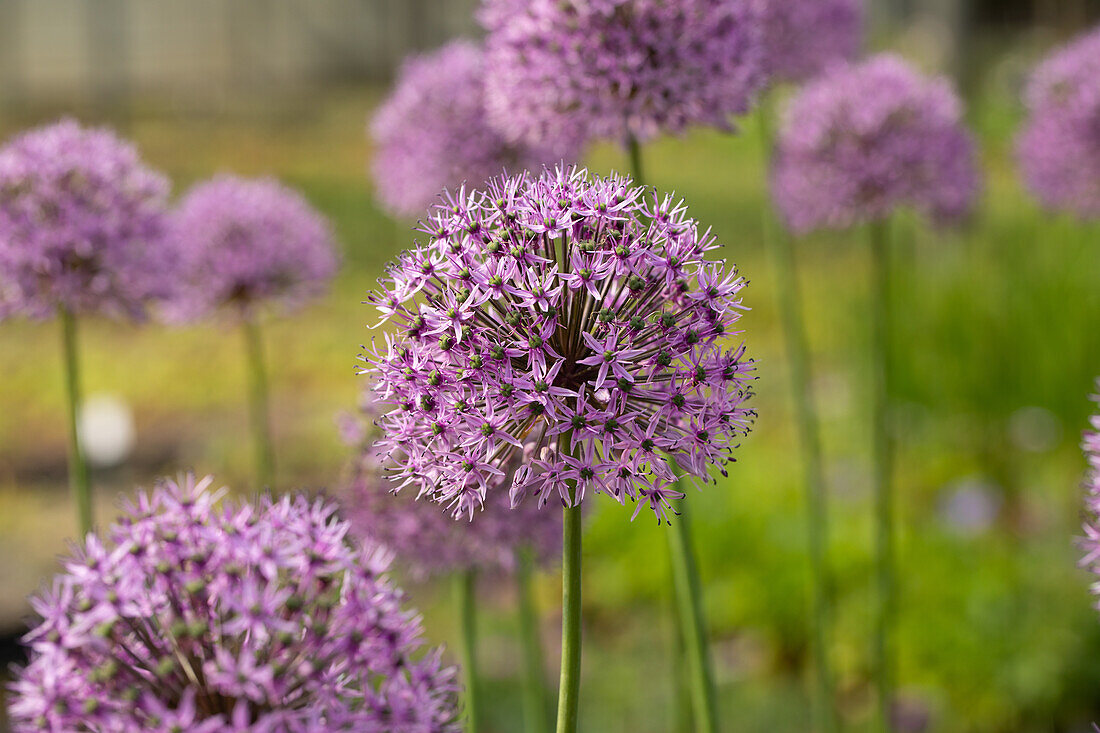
{"points": [[685, 577], [569, 689], [692, 641], [258, 404], [79, 481], [465, 600], [883, 447], [635, 151], [809, 437], [534, 687], [683, 722]]}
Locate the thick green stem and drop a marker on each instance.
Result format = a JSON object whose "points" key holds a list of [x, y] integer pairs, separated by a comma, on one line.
{"points": [[534, 687], [883, 446], [79, 481], [685, 577], [569, 689], [258, 404], [809, 438], [465, 600], [682, 719], [635, 151]]}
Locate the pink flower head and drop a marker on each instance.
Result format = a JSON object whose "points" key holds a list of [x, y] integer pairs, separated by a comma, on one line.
{"points": [[619, 69], [552, 378], [246, 243], [258, 618], [866, 139], [431, 133], [81, 224], [1059, 147]]}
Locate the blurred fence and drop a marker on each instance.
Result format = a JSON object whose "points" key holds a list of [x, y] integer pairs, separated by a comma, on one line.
{"points": [[104, 51], [199, 52]]}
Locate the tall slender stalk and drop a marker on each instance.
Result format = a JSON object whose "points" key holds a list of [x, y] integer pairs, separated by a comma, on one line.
{"points": [[79, 481], [809, 438], [683, 721], [883, 447], [692, 628], [534, 688], [466, 604], [258, 404], [634, 149], [569, 689], [685, 578]]}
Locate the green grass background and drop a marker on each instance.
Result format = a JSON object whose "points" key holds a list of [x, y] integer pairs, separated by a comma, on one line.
{"points": [[997, 345]]}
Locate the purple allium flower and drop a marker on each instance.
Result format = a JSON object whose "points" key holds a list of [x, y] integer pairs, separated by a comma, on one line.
{"points": [[432, 132], [559, 334], [81, 224], [802, 37], [194, 617], [619, 69], [1059, 148], [863, 140], [244, 243], [421, 535]]}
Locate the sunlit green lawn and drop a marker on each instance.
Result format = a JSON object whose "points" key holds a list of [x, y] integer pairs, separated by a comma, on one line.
{"points": [[997, 343]]}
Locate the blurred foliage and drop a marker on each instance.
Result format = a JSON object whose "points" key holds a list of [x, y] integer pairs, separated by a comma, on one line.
{"points": [[996, 346]]}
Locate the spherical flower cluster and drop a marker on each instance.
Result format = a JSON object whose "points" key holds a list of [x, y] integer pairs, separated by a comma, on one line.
{"points": [[81, 224], [803, 37], [421, 535], [866, 139], [567, 324], [1059, 148], [252, 618], [432, 133], [243, 243], [619, 69]]}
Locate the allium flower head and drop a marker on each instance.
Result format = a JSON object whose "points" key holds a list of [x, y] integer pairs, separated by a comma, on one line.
{"points": [[568, 324], [246, 243], [432, 132], [863, 140], [1059, 148], [422, 536], [194, 617], [802, 37], [618, 69], [81, 224]]}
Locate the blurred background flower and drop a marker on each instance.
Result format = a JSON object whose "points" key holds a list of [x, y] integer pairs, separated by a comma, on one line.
{"points": [[1059, 148], [619, 69], [432, 133], [244, 245], [81, 224], [246, 248], [864, 140]]}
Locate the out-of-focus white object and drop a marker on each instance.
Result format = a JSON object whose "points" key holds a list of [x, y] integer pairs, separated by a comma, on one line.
{"points": [[106, 428]]}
